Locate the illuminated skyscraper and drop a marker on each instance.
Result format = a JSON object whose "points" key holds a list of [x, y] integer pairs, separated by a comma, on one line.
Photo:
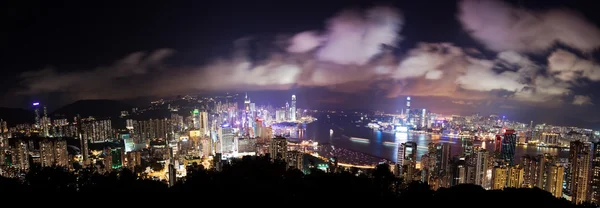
{"points": [[509, 143], [596, 174], [247, 103], [293, 109], [278, 148], [423, 118], [287, 110], [280, 115], [47, 153], [554, 180], [295, 160], [408, 110], [227, 140], [480, 160], [579, 158], [36, 107], [20, 155], [467, 147], [407, 158], [499, 177], [515, 177]]}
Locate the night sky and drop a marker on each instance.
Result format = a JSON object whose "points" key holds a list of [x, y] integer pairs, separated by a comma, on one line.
{"points": [[528, 60]]}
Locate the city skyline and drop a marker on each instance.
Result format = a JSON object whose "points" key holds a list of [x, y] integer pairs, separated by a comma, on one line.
{"points": [[454, 68]]}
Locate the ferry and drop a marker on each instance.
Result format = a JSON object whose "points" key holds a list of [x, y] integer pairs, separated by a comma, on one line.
{"points": [[386, 143], [361, 140]]}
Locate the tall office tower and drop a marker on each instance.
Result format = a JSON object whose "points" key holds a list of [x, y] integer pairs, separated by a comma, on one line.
{"points": [[204, 129], [442, 164], [206, 147], [293, 109], [424, 118], [595, 185], [424, 168], [480, 161], [129, 124], [247, 103], [20, 155], [509, 143], [554, 179], [280, 115], [83, 141], [227, 140], [498, 146], [408, 110], [47, 153], [278, 148], [407, 156], [134, 159], [579, 158], [196, 119], [443, 156], [172, 171], [459, 171], [499, 177], [467, 147], [36, 109], [295, 160], [287, 110], [61, 155], [515, 176]]}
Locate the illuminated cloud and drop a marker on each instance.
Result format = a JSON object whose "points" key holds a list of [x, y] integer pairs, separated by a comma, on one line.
{"points": [[428, 60], [503, 27], [582, 100], [349, 57], [352, 37], [567, 66], [304, 42]]}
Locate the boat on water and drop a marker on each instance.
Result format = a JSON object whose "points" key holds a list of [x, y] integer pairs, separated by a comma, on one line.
{"points": [[361, 140], [386, 143]]}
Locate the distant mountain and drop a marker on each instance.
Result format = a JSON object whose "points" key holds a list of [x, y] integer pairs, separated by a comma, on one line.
{"points": [[95, 108], [14, 116]]}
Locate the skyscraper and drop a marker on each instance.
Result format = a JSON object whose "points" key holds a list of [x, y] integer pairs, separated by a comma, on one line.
{"points": [[596, 174], [423, 118], [295, 160], [47, 153], [515, 176], [579, 158], [499, 177], [509, 143], [278, 148], [480, 161], [293, 109], [227, 140], [20, 156], [287, 111], [467, 147], [554, 180], [408, 110], [407, 158], [247, 103]]}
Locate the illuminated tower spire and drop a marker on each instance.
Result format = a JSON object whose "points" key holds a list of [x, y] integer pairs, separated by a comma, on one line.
{"points": [[408, 109], [293, 109], [247, 103]]}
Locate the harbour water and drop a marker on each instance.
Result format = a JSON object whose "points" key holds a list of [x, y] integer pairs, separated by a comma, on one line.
{"points": [[356, 137]]}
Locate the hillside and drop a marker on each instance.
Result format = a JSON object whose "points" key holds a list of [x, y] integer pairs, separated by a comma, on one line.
{"points": [[95, 108], [14, 116]]}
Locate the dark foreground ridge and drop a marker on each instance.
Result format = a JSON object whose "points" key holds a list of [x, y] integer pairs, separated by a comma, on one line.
{"points": [[252, 177]]}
